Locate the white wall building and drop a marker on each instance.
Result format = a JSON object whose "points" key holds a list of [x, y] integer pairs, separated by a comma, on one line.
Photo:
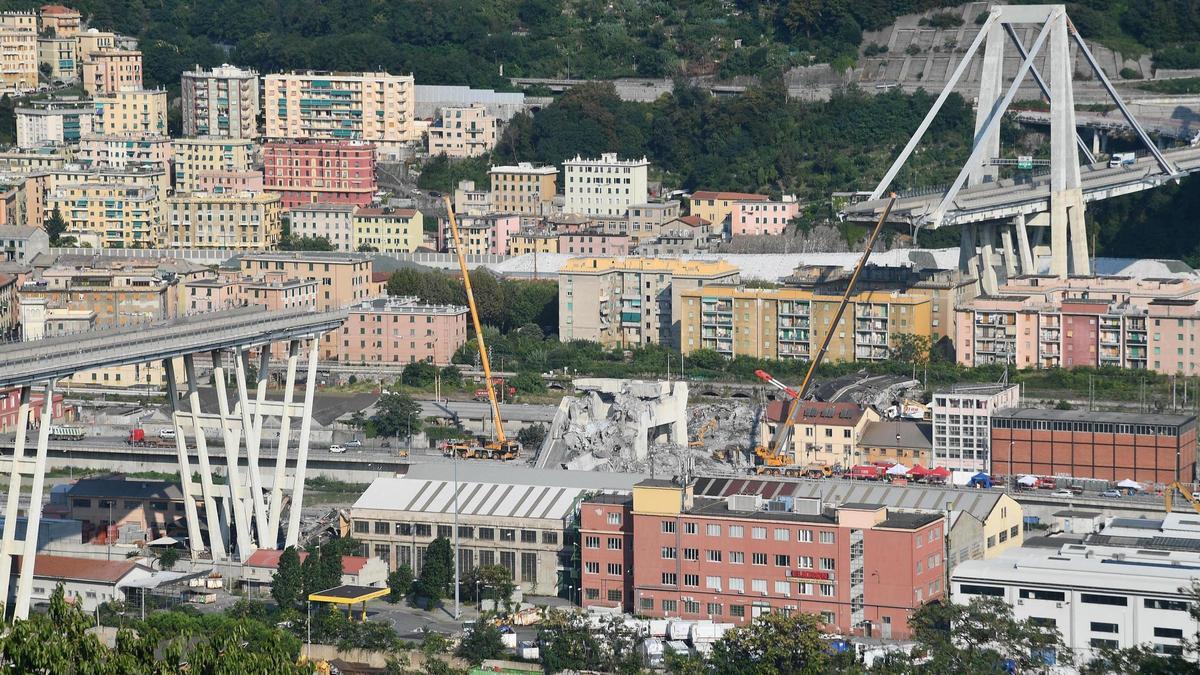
{"points": [[335, 222], [607, 186], [962, 424], [53, 124], [220, 102], [1119, 588], [90, 582]]}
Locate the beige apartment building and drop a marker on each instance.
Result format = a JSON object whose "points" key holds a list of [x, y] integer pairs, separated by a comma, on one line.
{"points": [[200, 161], [18, 53], [343, 278], [388, 230], [463, 131], [374, 107], [131, 111], [622, 302], [222, 102], [644, 222], [824, 434], [119, 152], [116, 215], [108, 71], [154, 177], [791, 323], [247, 221], [61, 54], [93, 40], [333, 222], [532, 241], [717, 207], [524, 188], [60, 21]]}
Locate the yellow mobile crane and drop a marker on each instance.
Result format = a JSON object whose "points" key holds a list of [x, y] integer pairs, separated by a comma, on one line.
{"points": [[772, 457], [501, 447]]}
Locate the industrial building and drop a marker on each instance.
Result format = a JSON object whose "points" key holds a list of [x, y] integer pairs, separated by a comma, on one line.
{"points": [[962, 423]]}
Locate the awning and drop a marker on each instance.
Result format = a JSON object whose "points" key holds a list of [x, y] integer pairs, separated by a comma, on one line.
{"points": [[939, 472], [917, 471], [897, 470], [348, 595], [1130, 484], [1027, 480], [163, 541]]}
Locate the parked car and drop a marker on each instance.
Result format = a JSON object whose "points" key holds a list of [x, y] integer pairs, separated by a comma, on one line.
{"points": [[1115, 494], [1062, 493], [1076, 490], [336, 448], [353, 443]]}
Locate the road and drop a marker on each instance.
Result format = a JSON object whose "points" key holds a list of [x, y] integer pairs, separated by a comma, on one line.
{"points": [[476, 410]]}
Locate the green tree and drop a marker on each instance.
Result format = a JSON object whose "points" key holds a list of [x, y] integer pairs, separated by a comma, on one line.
{"points": [[55, 226], [451, 376], [910, 348], [979, 636], [419, 374], [773, 643], [437, 573], [569, 642], [400, 581], [532, 436], [306, 244], [492, 582], [482, 641], [529, 383], [489, 297], [397, 414], [168, 558]]}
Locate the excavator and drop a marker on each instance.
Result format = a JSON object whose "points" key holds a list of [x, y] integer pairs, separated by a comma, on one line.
{"points": [[1188, 495], [709, 427], [774, 457], [500, 447]]}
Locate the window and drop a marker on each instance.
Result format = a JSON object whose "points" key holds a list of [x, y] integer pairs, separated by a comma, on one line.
{"points": [[691, 607], [1034, 594], [737, 585], [974, 589], [1168, 633], [1094, 599], [360, 526], [1012, 531], [991, 541], [668, 553], [507, 534], [1003, 536], [714, 556], [669, 579], [592, 593], [614, 595], [828, 617], [646, 603], [529, 567], [758, 533], [692, 580], [737, 557], [529, 536], [804, 562], [781, 534], [445, 531], [828, 564], [615, 569], [591, 568], [1173, 605], [783, 588], [423, 530], [488, 534], [1043, 622], [1103, 644], [404, 529], [758, 558], [382, 527], [614, 543], [668, 527], [783, 560], [714, 608], [737, 610], [550, 538], [588, 542], [827, 538], [713, 583], [669, 606], [614, 518], [804, 536], [1099, 627], [827, 590], [692, 554], [690, 528], [758, 585], [712, 530], [735, 532]]}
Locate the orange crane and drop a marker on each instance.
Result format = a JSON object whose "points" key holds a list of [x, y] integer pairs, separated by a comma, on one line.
{"points": [[773, 455], [1188, 496], [501, 447]]}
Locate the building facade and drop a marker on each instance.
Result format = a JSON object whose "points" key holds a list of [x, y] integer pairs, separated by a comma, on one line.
{"points": [[823, 434], [370, 107], [18, 52], [1148, 448], [606, 570], [523, 188], [62, 21], [606, 186], [717, 207], [328, 172], [591, 243], [121, 295], [222, 102], [630, 301], [762, 217], [131, 111], [388, 230], [343, 278], [116, 215], [108, 71], [402, 330], [334, 222], [645, 221], [53, 123], [20, 243], [120, 152], [463, 131], [246, 221], [962, 423], [61, 54], [201, 163]]}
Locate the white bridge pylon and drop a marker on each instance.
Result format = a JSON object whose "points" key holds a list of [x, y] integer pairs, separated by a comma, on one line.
{"points": [[1067, 241]]}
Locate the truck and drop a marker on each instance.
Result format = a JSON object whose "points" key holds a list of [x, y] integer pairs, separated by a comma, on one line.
{"points": [[867, 472], [137, 437], [65, 433], [652, 653], [506, 391], [1122, 159]]}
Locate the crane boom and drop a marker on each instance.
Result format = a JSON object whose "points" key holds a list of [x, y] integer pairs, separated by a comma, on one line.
{"points": [[483, 354], [784, 428], [766, 377]]}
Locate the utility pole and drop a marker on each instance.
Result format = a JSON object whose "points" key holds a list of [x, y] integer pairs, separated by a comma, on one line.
{"points": [[457, 609]]}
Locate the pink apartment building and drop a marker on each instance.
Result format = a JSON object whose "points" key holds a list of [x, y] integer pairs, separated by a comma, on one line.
{"points": [[231, 181], [594, 243], [759, 217], [331, 172], [483, 235], [401, 330], [1047, 322]]}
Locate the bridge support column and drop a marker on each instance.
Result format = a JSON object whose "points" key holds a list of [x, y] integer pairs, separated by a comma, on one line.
{"points": [[33, 518], [216, 535], [233, 446], [11, 511], [987, 266], [195, 541], [252, 432], [1066, 195], [310, 387], [1007, 252], [285, 431], [1023, 248]]}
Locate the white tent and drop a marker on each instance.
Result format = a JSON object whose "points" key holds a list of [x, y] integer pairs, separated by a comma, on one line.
{"points": [[1027, 480], [897, 470], [1130, 484]]}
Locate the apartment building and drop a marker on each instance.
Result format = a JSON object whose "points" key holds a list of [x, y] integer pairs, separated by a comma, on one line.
{"points": [[344, 278], [370, 107], [593, 243], [524, 188], [645, 221], [118, 296], [246, 221], [606, 529], [759, 217], [61, 54], [863, 568], [120, 152], [717, 207], [131, 111], [334, 222], [222, 102], [153, 177], [20, 243], [93, 40], [532, 241], [108, 71], [484, 235], [41, 123], [33, 162], [471, 201], [212, 164], [19, 198], [606, 186], [10, 316], [117, 215], [463, 131], [897, 441], [211, 294], [1045, 322], [823, 434], [388, 230], [630, 301], [523, 528], [60, 21], [18, 51], [962, 423], [402, 330], [791, 323], [309, 172], [1153, 449]]}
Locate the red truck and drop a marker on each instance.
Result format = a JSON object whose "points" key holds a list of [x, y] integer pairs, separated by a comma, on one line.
{"points": [[867, 472], [138, 437], [503, 391]]}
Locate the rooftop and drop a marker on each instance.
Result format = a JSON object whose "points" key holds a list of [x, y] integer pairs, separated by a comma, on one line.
{"points": [[391, 213], [719, 508], [82, 569], [897, 434], [897, 520], [405, 305], [818, 413], [730, 196], [525, 167], [17, 231], [306, 256], [1046, 414], [480, 499], [675, 267], [592, 481], [121, 487], [351, 564]]}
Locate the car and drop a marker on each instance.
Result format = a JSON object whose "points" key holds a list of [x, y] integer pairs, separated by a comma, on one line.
{"points": [[353, 443], [1114, 494], [1062, 493], [336, 449], [166, 434], [1076, 490]]}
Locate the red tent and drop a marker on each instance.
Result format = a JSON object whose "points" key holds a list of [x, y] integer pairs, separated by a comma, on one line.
{"points": [[918, 471], [940, 473]]}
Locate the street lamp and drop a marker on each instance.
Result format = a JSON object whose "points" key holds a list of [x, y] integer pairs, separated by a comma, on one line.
{"points": [[308, 629]]}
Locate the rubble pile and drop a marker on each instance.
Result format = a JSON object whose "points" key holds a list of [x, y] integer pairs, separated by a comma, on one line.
{"points": [[593, 439]]}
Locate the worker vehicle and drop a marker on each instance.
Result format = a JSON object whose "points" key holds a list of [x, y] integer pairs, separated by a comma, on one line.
{"points": [[1122, 159], [867, 472], [166, 434], [337, 449], [501, 447], [66, 433], [1169, 495], [708, 428], [137, 437], [505, 391]]}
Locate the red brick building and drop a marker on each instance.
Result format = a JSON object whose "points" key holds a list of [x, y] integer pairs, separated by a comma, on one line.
{"points": [[860, 567], [606, 538], [326, 172], [1147, 448]]}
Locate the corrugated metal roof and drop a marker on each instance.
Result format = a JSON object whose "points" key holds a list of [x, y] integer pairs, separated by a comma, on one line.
{"points": [[474, 498]]}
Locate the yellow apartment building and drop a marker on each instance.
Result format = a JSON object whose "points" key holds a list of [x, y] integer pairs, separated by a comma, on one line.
{"points": [[791, 323], [62, 55], [131, 111], [523, 188], [463, 131], [388, 230], [18, 55], [524, 242], [715, 207], [248, 221], [119, 216], [199, 160]]}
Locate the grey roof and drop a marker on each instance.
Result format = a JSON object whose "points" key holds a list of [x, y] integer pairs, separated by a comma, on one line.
{"points": [[19, 231], [862, 506], [884, 434], [1093, 416], [1075, 514], [489, 499], [908, 521], [516, 474], [120, 487], [720, 508], [979, 503]]}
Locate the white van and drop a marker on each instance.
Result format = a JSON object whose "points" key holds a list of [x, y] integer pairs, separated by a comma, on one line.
{"points": [[166, 434], [336, 449]]}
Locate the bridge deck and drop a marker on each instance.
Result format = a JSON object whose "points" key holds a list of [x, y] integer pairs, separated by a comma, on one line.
{"points": [[34, 361], [1006, 198]]}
